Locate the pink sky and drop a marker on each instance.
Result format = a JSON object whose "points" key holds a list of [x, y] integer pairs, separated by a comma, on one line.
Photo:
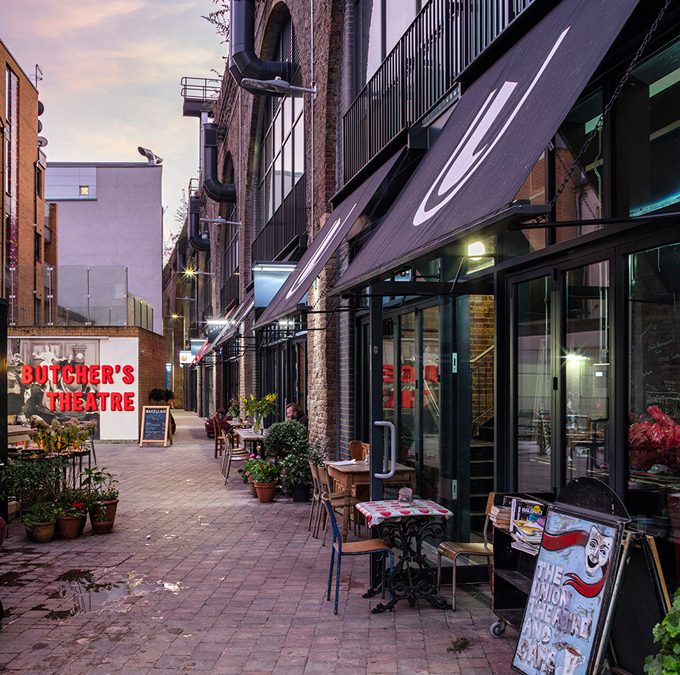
{"points": [[112, 71]]}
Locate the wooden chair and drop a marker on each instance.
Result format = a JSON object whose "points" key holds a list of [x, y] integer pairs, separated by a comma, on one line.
{"points": [[232, 454], [452, 549], [219, 436], [353, 548], [338, 500], [358, 450]]}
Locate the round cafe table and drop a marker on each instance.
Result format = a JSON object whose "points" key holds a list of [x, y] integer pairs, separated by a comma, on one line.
{"points": [[405, 528]]}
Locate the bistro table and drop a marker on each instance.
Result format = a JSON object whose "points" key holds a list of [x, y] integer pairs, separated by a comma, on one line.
{"points": [[405, 527], [247, 435], [351, 473]]}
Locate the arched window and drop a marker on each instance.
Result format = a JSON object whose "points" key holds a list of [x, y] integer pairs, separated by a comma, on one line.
{"points": [[282, 162]]}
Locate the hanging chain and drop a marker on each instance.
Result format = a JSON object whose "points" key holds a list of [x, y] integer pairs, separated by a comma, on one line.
{"points": [[610, 104]]}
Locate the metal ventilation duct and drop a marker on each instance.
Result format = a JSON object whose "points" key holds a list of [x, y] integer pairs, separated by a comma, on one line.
{"points": [[195, 240], [218, 192], [244, 63]]}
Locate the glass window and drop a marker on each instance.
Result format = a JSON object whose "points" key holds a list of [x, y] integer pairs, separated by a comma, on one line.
{"points": [[299, 150], [371, 49], [399, 15], [431, 415], [407, 389], [278, 170], [654, 380], [288, 166], [647, 139], [586, 368], [388, 369], [534, 385]]}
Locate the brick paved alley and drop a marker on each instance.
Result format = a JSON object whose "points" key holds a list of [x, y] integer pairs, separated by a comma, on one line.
{"points": [[220, 583]]}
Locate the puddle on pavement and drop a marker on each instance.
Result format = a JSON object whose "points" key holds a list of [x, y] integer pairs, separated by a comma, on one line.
{"points": [[88, 595]]}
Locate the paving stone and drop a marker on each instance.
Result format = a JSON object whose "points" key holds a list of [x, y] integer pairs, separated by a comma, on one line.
{"points": [[238, 586]]}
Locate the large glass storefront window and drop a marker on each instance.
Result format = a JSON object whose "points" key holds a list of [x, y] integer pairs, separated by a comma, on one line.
{"points": [[407, 389], [389, 375], [654, 377], [586, 370], [431, 412], [647, 139], [534, 385]]}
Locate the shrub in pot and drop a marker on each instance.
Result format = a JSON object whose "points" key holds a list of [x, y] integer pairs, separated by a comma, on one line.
{"points": [[71, 514], [102, 499], [265, 474], [39, 522], [285, 438], [297, 475], [667, 634], [248, 466]]}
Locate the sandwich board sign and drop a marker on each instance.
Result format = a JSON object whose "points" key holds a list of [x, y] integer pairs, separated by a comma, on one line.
{"points": [[565, 622], [155, 425]]}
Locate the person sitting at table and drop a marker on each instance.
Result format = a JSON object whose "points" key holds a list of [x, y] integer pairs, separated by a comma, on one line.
{"points": [[295, 412]]}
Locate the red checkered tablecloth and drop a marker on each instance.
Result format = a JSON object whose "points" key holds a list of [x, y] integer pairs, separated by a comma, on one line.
{"points": [[377, 512]]}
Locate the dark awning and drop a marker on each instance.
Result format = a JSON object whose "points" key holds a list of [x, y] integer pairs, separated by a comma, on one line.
{"points": [[323, 247], [494, 136], [238, 317]]}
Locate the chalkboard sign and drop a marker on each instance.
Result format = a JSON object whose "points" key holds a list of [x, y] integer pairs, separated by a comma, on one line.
{"points": [[642, 602], [570, 594], [155, 425]]}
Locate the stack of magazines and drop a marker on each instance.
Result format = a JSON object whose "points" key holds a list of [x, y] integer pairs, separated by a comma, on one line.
{"points": [[527, 521], [500, 516]]}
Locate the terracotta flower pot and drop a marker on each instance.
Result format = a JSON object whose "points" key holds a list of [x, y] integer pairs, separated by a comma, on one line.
{"points": [[69, 526], [265, 491], [102, 523], [41, 533], [251, 485]]}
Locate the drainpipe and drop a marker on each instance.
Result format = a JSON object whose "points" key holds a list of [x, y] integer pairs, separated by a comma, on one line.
{"points": [[197, 242], [217, 191], [244, 63]]}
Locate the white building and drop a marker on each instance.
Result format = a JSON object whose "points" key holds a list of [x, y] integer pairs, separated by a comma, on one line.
{"points": [[110, 221]]}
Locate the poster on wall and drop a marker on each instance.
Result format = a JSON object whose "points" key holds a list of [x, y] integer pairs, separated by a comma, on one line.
{"points": [[569, 595], [82, 378]]}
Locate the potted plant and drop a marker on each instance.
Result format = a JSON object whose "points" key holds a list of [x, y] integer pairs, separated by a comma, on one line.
{"points": [[102, 499], [246, 473], [265, 475], [71, 514], [39, 522], [297, 475], [157, 395], [667, 634], [285, 438], [259, 408]]}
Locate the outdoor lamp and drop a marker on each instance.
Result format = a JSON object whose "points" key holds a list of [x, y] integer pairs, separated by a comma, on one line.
{"points": [[476, 249], [276, 86]]}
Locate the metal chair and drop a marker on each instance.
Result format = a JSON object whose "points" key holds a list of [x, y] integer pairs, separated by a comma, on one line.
{"points": [[219, 436], [352, 548], [452, 549], [316, 500]]}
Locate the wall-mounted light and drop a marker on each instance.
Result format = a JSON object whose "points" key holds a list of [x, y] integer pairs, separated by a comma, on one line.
{"points": [[476, 249], [278, 267], [219, 322]]}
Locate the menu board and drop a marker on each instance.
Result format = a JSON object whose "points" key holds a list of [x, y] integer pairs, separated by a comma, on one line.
{"points": [[155, 424], [570, 593]]}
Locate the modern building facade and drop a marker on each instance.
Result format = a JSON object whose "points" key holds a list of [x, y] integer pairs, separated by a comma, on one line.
{"points": [[110, 254], [28, 236], [479, 208]]}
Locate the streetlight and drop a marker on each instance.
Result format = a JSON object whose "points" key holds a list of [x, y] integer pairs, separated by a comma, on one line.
{"points": [[220, 221]]}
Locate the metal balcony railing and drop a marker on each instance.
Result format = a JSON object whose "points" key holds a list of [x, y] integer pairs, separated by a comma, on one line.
{"points": [[200, 88], [288, 221], [420, 72]]}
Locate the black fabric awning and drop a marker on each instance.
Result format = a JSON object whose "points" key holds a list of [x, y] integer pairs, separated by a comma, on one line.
{"points": [[494, 136], [236, 319], [324, 246]]}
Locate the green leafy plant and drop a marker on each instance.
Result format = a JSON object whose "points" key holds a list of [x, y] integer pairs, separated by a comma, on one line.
{"points": [[40, 512], [168, 395], [72, 503], [284, 438], [296, 470], [99, 485], [248, 466], [667, 634], [259, 407], [263, 471], [234, 409], [32, 480]]}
